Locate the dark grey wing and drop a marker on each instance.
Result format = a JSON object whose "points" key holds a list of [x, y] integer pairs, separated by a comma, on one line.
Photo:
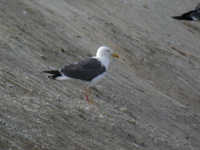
{"points": [[86, 69]]}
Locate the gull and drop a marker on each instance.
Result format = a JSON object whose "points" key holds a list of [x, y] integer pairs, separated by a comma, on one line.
{"points": [[193, 15], [90, 70]]}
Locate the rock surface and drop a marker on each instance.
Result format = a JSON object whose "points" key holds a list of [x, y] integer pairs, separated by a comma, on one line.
{"points": [[149, 100]]}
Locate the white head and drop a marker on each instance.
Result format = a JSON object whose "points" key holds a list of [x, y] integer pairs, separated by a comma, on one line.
{"points": [[104, 53]]}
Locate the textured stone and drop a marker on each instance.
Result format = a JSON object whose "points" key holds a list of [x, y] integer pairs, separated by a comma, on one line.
{"points": [[149, 100]]}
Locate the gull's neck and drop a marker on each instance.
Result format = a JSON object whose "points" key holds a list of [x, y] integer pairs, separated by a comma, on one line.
{"points": [[104, 60]]}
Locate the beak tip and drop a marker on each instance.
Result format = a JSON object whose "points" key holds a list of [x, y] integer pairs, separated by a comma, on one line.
{"points": [[115, 55]]}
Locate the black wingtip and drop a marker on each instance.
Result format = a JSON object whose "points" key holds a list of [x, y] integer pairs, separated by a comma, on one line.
{"points": [[185, 16], [178, 18], [51, 71], [54, 74]]}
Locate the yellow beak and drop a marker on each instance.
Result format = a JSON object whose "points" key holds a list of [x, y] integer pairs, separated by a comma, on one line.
{"points": [[115, 55]]}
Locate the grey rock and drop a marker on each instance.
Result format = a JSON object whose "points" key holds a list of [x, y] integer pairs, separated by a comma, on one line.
{"points": [[149, 100]]}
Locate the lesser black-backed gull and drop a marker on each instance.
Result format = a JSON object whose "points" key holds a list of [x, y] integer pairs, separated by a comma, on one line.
{"points": [[193, 15], [90, 70]]}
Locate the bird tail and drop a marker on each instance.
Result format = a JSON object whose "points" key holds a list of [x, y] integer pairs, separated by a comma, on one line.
{"points": [[54, 74]]}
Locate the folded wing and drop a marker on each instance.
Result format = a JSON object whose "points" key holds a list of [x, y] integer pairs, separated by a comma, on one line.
{"points": [[86, 69]]}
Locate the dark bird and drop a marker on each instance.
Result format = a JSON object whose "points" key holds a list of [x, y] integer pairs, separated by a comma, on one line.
{"points": [[90, 70], [193, 15]]}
